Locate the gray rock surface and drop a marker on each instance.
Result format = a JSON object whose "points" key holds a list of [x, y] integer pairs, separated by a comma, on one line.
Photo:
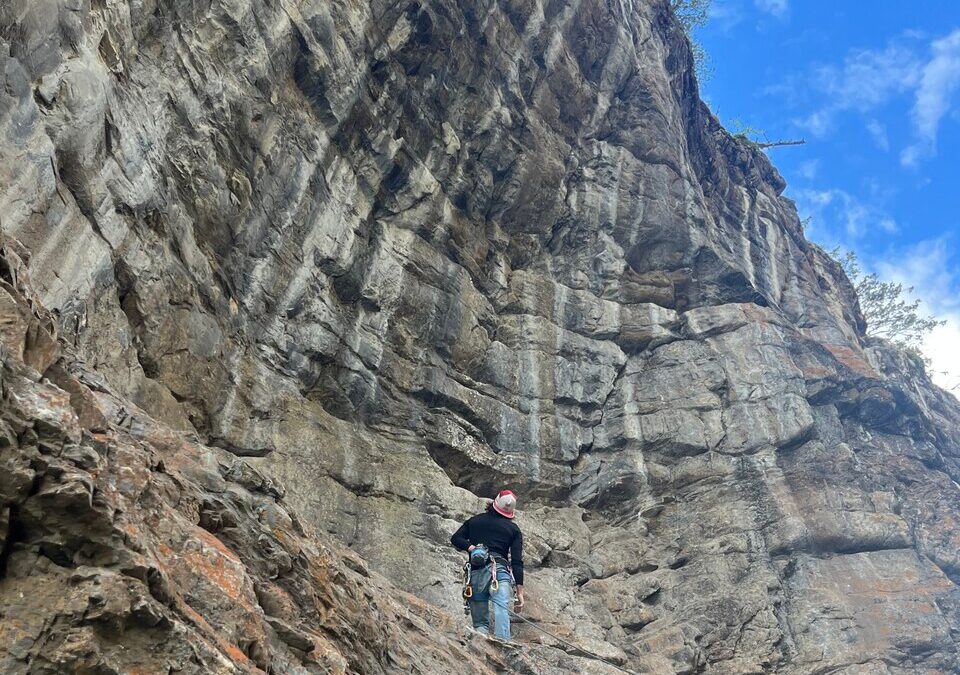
{"points": [[129, 547], [400, 255]]}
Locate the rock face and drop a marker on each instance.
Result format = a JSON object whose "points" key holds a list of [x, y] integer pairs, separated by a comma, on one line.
{"points": [[131, 548], [397, 256]]}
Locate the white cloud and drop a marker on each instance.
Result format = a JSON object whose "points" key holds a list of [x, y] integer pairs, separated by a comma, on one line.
{"points": [[725, 15], [931, 269], [878, 131], [838, 207], [911, 156], [819, 123], [778, 8], [941, 348], [939, 80], [927, 266], [809, 169], [869, 78], [866, 80], [888, 225]]}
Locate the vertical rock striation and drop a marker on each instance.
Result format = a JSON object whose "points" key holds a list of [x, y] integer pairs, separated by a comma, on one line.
{"points": [[397, 255]]}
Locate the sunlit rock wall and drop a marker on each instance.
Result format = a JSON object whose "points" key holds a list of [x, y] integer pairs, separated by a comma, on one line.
{"points": [[403, 254]]}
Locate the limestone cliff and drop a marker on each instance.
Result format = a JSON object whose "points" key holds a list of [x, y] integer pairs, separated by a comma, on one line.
{"points": [[396, 255]]}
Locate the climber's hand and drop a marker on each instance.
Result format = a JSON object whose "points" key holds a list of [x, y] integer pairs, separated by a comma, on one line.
{"points": [[518, 605]]}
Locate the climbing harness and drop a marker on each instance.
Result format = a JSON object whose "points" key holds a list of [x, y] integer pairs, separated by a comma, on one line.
{"points": [[480, 563], [467, 588], [475, 583]]}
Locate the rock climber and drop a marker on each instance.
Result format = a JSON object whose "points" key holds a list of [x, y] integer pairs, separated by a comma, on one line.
{"points": [[495, 546]]}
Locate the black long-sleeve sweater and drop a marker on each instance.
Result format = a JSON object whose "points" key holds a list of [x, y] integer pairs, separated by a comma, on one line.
{"points": [[500, 535]]}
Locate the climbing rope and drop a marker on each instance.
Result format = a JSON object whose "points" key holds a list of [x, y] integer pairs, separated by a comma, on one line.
{"points": [[566, 642]]}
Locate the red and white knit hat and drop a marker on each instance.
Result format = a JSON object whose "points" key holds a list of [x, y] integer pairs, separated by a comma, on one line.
{"points": [[505, 503]]}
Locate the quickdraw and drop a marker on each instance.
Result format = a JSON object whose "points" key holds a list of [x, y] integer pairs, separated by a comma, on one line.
{"points": [[467, 588]]}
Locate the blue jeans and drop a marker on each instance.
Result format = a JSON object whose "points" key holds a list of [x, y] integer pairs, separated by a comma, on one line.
{"points": [[500, 598]]}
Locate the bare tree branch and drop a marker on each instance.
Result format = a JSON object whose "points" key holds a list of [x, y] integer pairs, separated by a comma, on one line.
{"points": [[777, 144]]}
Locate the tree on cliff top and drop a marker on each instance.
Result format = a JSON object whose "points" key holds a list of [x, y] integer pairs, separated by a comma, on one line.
{"points": [[693, 14], [888, 312]]}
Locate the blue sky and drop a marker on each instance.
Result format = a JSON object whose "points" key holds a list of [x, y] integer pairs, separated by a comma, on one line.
{"points": [[874, 88]]}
